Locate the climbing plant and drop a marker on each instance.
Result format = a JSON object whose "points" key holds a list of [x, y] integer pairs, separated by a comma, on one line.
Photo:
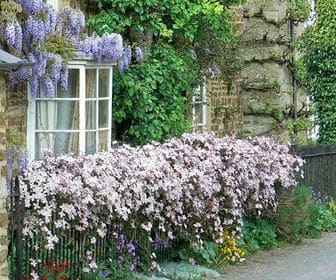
{"points": [[148, 100], [182, 40], [35, 32], [319, 61]]}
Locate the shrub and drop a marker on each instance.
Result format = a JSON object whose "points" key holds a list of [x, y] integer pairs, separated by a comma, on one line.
{"points": [[299, 215], [321, 219], [258, 234], [292, 218], [194, 186]]}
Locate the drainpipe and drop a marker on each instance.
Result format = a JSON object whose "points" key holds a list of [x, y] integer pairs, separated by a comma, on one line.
{"points": [[294, 82]]}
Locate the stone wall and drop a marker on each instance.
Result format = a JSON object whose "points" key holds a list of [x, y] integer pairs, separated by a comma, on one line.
{"points": [[224, 107], [267, 87], [3, 186], [12, 132]]}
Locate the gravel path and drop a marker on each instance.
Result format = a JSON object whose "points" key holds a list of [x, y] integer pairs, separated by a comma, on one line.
{"points": [[314, 259]]}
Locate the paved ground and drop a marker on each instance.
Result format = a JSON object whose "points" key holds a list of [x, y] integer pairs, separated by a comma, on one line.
{"points": [[315, 259]]}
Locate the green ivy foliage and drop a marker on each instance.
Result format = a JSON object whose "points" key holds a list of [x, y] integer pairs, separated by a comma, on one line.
{"points": [[204, 26], [318, 46], [299, 10], [182, 40], [148, 100]]}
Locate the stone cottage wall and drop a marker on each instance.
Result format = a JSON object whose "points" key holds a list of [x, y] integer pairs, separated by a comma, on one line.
{"points": [[267, 87], [13, 108], [3, 187], [224, 106]]}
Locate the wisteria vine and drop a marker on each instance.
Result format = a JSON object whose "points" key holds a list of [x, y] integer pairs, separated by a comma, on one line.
{"points": [[32, 29]]}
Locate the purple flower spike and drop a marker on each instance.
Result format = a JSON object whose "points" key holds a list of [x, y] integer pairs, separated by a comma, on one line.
{"points": [[105, 273]]}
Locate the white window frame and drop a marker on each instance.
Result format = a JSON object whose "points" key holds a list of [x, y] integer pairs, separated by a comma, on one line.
{"points": [[199, 98], [82, 66]]}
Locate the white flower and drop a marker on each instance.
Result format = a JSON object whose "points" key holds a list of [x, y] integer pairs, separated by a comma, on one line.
{"points": [[86, 270], [34, 275], [93, 265]]}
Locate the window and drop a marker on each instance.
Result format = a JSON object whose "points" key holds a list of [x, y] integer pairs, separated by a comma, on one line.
{"points": [[77, 120], [199, 109]]}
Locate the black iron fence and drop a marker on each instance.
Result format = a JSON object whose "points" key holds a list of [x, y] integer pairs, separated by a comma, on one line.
{"points": [[71, 248], [25, 257], [319, 168]]}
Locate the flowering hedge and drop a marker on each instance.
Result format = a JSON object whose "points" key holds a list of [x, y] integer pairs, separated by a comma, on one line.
{"points": [[194, 186]]}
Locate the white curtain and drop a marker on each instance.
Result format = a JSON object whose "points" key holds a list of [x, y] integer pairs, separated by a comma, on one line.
{"points": [[59, 115]]}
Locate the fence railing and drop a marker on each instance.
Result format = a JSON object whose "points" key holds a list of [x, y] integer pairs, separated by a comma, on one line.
{"points": [[319, 168], [23, 252], [71, 248]]}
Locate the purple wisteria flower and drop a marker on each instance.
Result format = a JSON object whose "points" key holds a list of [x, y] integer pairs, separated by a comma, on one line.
{"points": [[26, 33], [70, 23], [107, 48], [10, 33], [9, 165], [22, 160], [36, 29], [121, 66], [31, 6]]}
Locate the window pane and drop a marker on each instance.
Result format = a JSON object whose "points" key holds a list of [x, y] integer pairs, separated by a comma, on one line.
{"points": [[104, 82], [103, 141], [90, 114], [90, 142], [46, 114], [53, 115], [60, 142], [91, 78], [198, 117], [72, 90], [103, 113], [67, 115]]}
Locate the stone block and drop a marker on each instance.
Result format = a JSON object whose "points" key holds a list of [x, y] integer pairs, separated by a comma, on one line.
{"points": [[257, 29], [263, 102], [2, 137], [2, 84], [3, 220], [257, 125], [275, 11], [2, 119], [3, 171], [3, 154], [4, 240], [4, 271], [269, 76], [262, 52], [3, 254], [253, 8]]}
